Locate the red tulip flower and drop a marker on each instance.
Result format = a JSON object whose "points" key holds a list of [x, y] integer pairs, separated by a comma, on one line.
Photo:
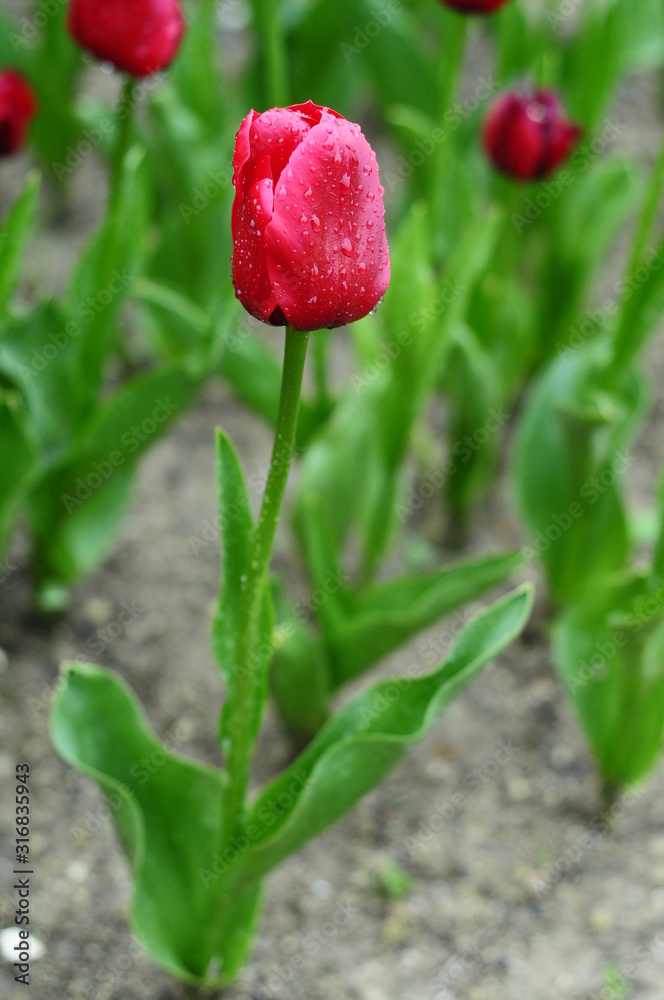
{"points": [[138, 36], [475, 6], [528, 136], [18, 106], [309, 244]]}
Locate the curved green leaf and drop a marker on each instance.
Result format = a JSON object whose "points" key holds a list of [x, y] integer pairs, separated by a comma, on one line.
{"points": [[168, 812], [358, 747]]}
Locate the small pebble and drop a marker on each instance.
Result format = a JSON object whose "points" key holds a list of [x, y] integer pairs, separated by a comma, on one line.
{"points": [[599, 920]]}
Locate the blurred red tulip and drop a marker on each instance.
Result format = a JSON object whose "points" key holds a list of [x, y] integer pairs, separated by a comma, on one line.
{"points": [[138, 36], [18, 106], [309, 244], [474, 6], [528, 136]]}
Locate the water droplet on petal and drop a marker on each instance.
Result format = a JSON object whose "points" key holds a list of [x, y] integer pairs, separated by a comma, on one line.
{"points": [[315, 223], [312, 302], [346, 248], [303, 219], [361, 267], [370, 196], [308, 193], [345, 182]]}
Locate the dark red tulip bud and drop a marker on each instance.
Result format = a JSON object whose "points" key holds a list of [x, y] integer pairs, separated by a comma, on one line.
{"points": [[309, 244], [18, 106], [529, 136], [138, 36], [475, 6]]}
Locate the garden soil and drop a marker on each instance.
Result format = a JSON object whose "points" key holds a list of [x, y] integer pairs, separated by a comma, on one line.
{"points": [[521, 885]]}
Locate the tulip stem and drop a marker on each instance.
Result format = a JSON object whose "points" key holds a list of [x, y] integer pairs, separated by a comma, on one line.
{"points": [[124, 126], [250, 682], [269, 25]]}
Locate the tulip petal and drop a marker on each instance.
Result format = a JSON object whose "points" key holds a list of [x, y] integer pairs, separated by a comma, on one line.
{"points": [[263, 146], [327, 253]]}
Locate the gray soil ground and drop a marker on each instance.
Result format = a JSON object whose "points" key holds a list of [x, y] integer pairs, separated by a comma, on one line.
{"points": [[510, 897]]}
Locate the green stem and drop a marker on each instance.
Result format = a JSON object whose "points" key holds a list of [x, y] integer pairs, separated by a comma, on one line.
{"points": [[269, 25], [240, 730], [453, 43], [124, 126], [624, 347]]}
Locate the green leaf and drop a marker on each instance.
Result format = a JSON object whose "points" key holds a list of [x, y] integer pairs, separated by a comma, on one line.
{"points": [[39, 354], [570, 454], [473, 386], [237, 531], [106, 270], [14, 236], [358, 747], [20, 460], [609, 651], [168, 812], [77, 508], [387, 615]]}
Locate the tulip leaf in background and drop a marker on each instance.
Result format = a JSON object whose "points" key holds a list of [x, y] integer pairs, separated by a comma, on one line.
{"points": [[197, 892], [20, 460], [355, 466], [14, 235], [570, 454], [104, 273], [583, 221], [609, 650], [77, 508], [353, 629], [615, 39]]}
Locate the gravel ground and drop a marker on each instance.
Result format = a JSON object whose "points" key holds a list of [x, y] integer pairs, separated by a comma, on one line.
{"points": [[522, 885]]}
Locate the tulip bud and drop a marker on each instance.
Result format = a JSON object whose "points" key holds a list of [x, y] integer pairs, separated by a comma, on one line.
{"points": [[309, 244], [18, 106], [140, 37], [528, 136], [474, 6]]}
